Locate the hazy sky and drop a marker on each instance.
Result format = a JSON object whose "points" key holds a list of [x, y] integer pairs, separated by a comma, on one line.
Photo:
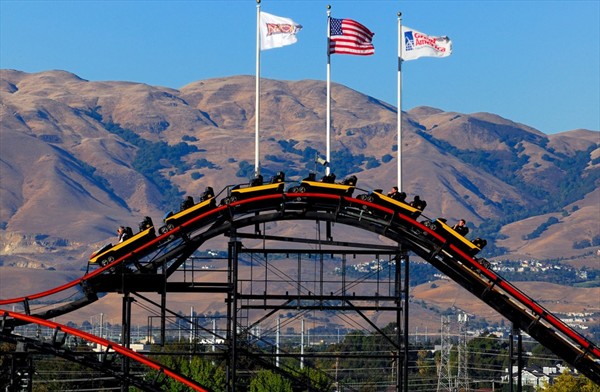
{"points": [[533, 62]]}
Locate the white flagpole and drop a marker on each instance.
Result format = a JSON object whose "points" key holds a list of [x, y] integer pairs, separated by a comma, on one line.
{"points": [[399, 126], [328, 136], [257, 98]]}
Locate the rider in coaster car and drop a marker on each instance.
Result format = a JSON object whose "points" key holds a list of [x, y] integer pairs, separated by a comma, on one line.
{"points": [[258, 180], [146, 223], [279, 177], [208, 193], [479, 242], [328, 178], [461, 227], [418, 203], [311, 177], [350, 181], [394, 194], [186, 203], [124, 234]]}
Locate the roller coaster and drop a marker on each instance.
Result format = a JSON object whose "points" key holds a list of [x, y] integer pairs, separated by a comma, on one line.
{"points": [[147, 260]]}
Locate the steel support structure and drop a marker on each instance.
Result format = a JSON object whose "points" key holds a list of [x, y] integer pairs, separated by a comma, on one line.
{"points": [[404, 309], [516, 357], [234, 246], [316, 298], [160, 260], [126, 337], [237, 301]]}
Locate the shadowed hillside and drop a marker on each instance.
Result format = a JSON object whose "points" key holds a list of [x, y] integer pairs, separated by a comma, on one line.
{"points": [[78, 158]]}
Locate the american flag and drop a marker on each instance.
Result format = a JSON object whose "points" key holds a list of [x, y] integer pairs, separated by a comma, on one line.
{"points": [[350, 37]]}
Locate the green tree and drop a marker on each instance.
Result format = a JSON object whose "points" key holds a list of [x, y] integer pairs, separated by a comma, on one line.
{"points": [[318, 379], [267, 381], [566, 382], [489, 354], [200, 369], [425, 363], [205, 373], [541, 356]]}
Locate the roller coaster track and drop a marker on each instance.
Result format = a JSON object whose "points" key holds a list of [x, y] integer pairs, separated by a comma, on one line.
{"points": [[164, 254], [55, 347]]}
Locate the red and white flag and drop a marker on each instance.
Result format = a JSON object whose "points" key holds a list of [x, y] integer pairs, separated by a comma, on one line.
{"points": [[276, 31], [347, 36], [416, 44]]}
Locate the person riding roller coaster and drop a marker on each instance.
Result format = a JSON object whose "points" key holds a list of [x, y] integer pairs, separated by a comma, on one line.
{"points": [[208, 193], [146, 224], [278, 177], [396, 195], [257, 181], [312, 176], [328, 178], [124, 233], [188, 202], [418, 203], [461, 227]]}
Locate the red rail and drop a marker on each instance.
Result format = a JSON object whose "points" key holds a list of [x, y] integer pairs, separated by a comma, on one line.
{"points": [[534, 306], [109, 345], [141, 250], [514, 292]]}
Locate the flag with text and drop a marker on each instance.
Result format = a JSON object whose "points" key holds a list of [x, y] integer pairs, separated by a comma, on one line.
{"points": [[416, 44], [276, 31]]}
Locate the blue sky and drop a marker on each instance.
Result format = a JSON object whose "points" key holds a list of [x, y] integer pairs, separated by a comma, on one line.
{"points": [[533, 62]]}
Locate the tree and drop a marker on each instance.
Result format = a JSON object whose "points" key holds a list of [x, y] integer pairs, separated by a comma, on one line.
{"points": [[425, 363], [541, 356], [488, 356], [267, 381], [205, 373], [318, 380], [566, 382], [200, 369]]}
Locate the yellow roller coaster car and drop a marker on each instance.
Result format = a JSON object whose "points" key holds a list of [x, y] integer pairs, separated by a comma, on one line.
{"points": [[256, 188], [109, 253], [189, 210], [471, 248], [326, 185], [377, 197]]}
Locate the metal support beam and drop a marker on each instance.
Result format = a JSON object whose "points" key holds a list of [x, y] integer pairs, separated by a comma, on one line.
{"points": [[234, 247], [405, 313], [516, 358], [163, 308], [399, 305], [126, 338]]}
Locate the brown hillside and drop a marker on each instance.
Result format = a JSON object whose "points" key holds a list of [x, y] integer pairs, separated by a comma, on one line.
{"points": [[67, 176]]}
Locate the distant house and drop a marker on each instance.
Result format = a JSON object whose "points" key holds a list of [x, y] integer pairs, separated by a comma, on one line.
{"points": [[536, 376]]}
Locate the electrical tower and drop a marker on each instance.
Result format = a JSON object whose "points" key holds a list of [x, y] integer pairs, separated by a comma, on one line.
{"points": [[444, 371], [462, 376]]}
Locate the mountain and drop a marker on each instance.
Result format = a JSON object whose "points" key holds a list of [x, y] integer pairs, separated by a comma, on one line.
{"points": [[78, 158]]}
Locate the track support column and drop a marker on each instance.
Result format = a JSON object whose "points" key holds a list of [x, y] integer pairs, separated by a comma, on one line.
{"points": [[402, 330], [234, 247], [163, 308], [516, 357], [405, 296], [126, 337]]}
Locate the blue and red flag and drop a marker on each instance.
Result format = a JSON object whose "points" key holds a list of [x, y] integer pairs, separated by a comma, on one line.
{"points": [[347, 36]]}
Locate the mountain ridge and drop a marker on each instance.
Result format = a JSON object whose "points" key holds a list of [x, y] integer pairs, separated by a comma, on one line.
{"points": [[79, 158]]}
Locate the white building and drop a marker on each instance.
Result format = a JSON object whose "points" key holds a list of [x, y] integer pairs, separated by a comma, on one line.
{"points": [[536, 376]]}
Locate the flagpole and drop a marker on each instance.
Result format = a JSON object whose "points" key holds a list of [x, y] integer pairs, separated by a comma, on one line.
{"points": [[328, 127], [399, 116], [257, 98]]}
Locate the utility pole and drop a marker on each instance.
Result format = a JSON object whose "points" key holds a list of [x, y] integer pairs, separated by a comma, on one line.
{"points": [[462, 376], [444, 372]]}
